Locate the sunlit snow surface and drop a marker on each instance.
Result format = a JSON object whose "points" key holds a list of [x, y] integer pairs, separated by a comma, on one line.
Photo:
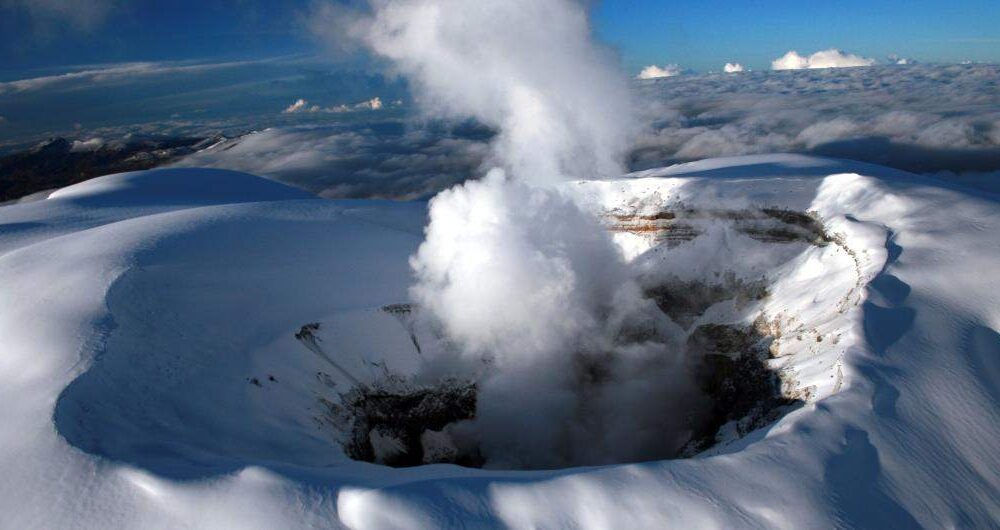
{"points": [[137, 308]]}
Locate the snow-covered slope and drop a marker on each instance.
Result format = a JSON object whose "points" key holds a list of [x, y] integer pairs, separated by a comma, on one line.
{"points": [[151, 378]]}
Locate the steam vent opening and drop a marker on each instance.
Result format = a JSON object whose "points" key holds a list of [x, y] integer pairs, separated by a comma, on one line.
{"points": [[708, 359]]}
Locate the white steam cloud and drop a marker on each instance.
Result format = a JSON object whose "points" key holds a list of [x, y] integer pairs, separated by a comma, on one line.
{"points": [[489, 273], [527, 68], [528, 288], [732, 68], [522, 278], [657, 72], [831, 58]]}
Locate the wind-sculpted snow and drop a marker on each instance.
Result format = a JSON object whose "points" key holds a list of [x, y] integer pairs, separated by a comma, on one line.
{"points": [[151, 377]]}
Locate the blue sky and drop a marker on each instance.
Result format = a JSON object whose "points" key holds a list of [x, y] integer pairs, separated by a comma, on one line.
{"points": [[697, 34], [705, 34]]}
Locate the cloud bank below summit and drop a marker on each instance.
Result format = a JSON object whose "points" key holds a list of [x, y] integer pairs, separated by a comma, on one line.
{"points": [[926, 118], [920, 118]]}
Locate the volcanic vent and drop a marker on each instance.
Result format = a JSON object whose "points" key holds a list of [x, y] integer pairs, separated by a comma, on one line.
{"points": [[707, 356]]}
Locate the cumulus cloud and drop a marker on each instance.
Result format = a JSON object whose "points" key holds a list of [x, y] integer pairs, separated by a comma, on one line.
{"points": [[656, 72], [303, 106], [790, 61], [300, 105], [374, 103], [732, 68], [831, 58]]}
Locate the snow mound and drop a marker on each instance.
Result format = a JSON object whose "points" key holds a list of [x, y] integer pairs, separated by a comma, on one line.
{"points": [[177, 186], [152, 376]]}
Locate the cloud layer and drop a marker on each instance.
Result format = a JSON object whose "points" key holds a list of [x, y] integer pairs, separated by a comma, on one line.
{"points": [[921, 118], [386, 159]]}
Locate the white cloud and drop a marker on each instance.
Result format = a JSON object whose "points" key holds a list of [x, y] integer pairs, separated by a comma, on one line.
{"points": [[533, 302], [559, 100], [372, 104], [405, 163], [300, 105], [539, 304], [303, 106], [831, 58], [790, 61], [112, 73], [827, 131], [656, 72], [732, 68], [81, 146], [920, 118]]}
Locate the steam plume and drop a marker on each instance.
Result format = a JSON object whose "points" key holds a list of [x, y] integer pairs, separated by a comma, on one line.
{"points": [[525, 67], [512, 269]]}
